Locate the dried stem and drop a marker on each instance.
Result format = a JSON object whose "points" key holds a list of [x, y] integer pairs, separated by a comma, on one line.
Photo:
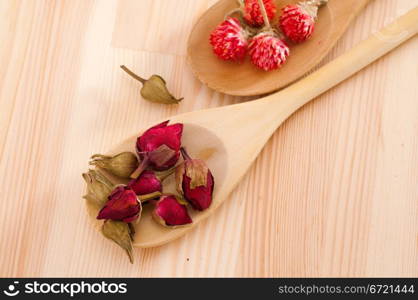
{"points": [[239, 10], [163, 175], [185, 154], [241, 3], [316, 2], [311, 6], [248, 30], [142, 166], [264, 13], [234, 11], [142, 80], [150, 196]]}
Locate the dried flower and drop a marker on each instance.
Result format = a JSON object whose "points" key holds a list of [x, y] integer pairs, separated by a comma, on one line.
{"points": [[195, 181], [154, 89], [121, 165], [159, 147], [229, 40], [121, 233], [123, 205], [253, 14], [298, 20], [149, 182], [268, 51], [98, 188], [170, 211], [146, 183]]}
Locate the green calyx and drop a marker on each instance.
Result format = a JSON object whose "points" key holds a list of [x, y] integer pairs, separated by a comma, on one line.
{"points": [[154, 89], [98, 188], [121, 165]]}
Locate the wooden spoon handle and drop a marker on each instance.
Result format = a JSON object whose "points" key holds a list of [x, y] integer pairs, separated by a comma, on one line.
{"points": [[378, 44]]}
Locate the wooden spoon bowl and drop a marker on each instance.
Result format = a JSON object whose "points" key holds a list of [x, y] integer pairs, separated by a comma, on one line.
{"points": [[244, 79], [201, 143]]}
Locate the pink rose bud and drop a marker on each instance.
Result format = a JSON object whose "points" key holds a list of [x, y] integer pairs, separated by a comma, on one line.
{"points": [[195, 182], [169, 211], [160, 145], [122, 205]]}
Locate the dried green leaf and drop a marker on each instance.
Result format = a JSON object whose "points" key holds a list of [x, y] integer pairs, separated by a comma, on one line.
{"points": [[121, 234]]}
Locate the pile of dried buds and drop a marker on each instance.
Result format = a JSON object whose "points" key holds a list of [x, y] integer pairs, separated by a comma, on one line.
{"points": [[158, 151], [252, 31]]}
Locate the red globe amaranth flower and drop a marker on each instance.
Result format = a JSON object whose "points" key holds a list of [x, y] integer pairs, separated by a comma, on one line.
{"points": [[296, 23], [170, 212], [229, 40], [122, 205], [160, 145], [252, 12], [195, 182], [147, 183], [267, 51]]}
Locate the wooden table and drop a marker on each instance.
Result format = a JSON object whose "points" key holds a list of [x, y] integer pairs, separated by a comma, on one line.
{"points": [[334, 193]]}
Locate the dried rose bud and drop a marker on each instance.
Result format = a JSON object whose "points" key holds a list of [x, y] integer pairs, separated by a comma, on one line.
{"points": [[195, 181], [154, 89], [121, 233], [149, 182], [146, 183], [170, 211], [98, 188], [123, 205], [121, 165], [159, 147]]}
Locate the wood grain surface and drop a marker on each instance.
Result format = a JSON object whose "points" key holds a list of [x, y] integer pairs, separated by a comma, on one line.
{"points": [[334, 193]]}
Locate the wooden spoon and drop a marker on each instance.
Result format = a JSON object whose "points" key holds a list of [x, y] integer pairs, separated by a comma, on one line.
{"points": [[246, 80], [229, 138]]}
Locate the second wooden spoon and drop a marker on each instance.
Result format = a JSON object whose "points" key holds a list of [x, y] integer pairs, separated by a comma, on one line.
{"points": [[243, 79]]}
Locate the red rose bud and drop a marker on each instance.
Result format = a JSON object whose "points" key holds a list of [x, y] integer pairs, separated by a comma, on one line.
{"points": [[195, 181], [146, 183], [149, 182], [159, 146], [169, 211], [122, 205]]}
